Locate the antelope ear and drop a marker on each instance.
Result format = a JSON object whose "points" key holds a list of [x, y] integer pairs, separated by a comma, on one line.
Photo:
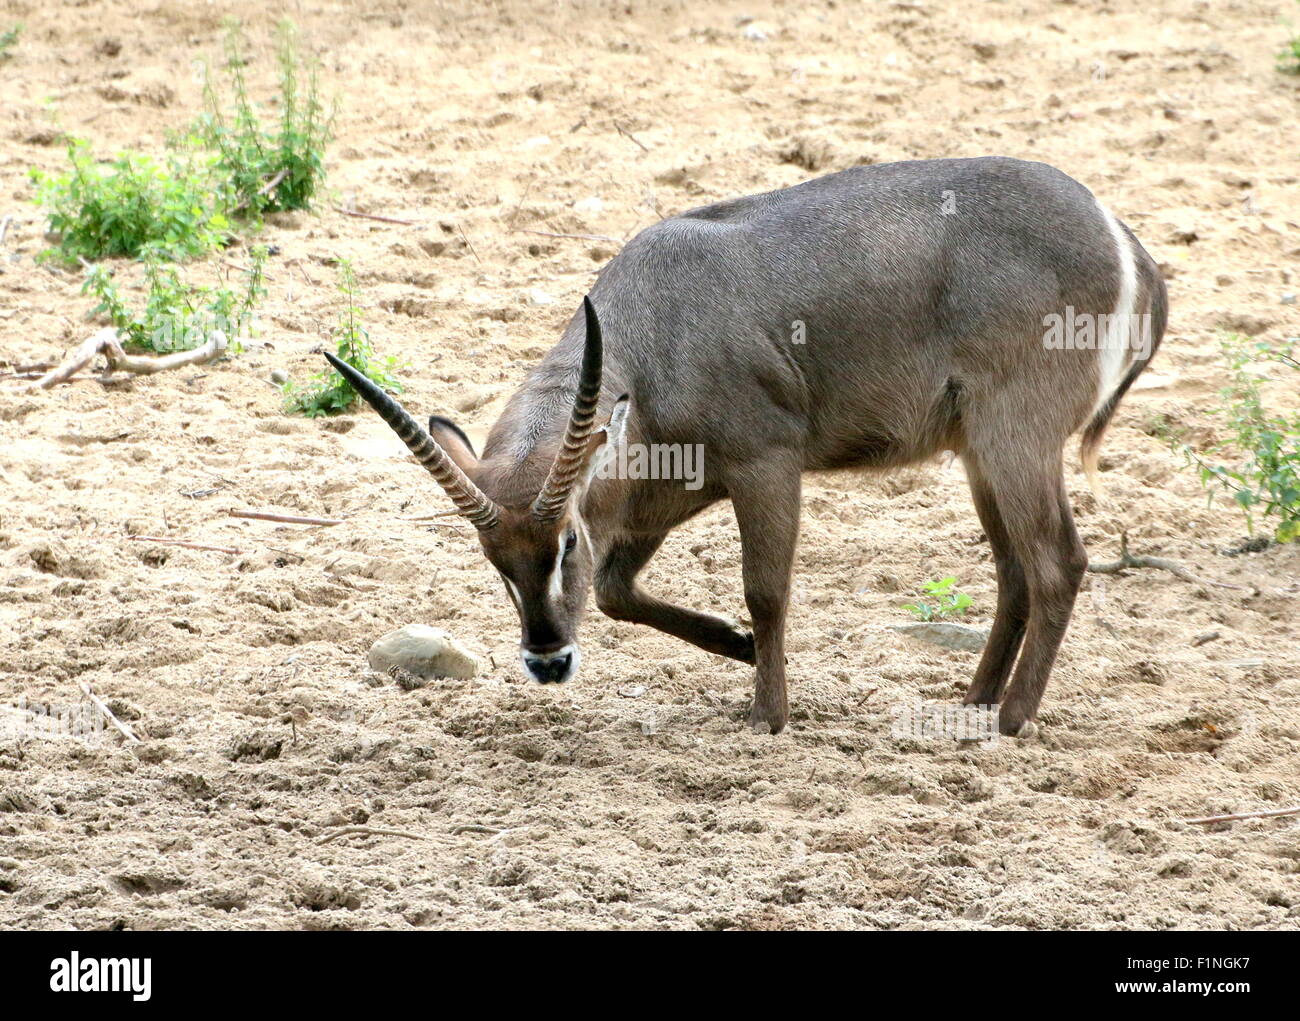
{"points": [[447, 435], [606, 440]]}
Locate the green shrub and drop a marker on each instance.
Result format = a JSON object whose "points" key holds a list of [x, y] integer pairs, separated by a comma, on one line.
{"points": [[329, 393], [129, 205], [178, 316], [267, 170], [1288, 61], [8, 40], [1260, 467], [948, 601]]}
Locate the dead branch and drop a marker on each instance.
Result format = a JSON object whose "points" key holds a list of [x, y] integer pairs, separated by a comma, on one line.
{"points": [[4, 228], [475, 828], [81, 356], [122, 728], [187, 544], [580, 237], [145, 365], [369, 831], [105, 342], [1275, 813], [376, 216], [288, 519], [1127, 561]]}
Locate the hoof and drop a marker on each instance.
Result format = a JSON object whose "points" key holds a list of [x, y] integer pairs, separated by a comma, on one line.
{"points": [[763, 725], [1022, 729]]}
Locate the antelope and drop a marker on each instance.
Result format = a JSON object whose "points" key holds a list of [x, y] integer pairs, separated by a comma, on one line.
{"points": [[871, 319]]}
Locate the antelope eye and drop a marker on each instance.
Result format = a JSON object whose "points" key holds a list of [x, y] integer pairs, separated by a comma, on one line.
{"points": [[570, 541]]}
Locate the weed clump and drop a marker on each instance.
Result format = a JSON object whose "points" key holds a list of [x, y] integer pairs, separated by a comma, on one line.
{"points": [[275, 168], [329, 393]]}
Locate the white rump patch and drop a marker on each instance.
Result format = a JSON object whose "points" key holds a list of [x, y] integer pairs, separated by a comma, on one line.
{"points": [[1115, 349]]}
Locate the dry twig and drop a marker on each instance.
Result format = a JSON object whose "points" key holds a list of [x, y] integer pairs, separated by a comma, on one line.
{"points": [[186, 544], [266, 188], [630, 137], [288, 519], [1127, 561], [369, 831], [1246, 815], [468, 244], [100, 704], [580, 237], [376, 216]]}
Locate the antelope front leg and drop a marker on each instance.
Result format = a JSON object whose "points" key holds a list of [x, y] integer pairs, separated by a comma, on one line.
{"points": [[619, 597], [767, 512]]}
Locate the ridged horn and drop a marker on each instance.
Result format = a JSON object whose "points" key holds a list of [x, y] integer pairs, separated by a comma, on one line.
{"points": [[582, 421], [468, 498]]}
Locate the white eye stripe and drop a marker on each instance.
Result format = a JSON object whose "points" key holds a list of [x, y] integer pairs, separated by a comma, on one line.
{"points": [[556, 587], [514, 592]]}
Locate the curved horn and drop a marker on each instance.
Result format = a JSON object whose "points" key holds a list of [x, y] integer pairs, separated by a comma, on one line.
{"points": [[468, 498], [569, 461]]}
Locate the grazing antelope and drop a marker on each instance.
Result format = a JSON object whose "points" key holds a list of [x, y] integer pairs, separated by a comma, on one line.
{"points": [[868, 319]]}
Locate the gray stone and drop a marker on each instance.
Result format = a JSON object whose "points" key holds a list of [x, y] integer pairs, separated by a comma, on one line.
{"points": [[423, 651], [961, 637]]}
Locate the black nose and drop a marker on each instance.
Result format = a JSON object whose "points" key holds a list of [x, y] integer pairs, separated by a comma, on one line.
{"points": [[549, 669]]}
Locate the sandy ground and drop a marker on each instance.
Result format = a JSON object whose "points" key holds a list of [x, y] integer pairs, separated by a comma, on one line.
{"points": [[245, 675]]}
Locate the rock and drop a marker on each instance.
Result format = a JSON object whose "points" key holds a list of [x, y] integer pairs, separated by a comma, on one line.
{"points": [[1288, 298], [423, 651], [539, 297], [961, 637], [632, 691], [279, 377]]}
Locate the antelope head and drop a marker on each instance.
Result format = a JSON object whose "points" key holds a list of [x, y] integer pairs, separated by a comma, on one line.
{"points": [[541, 549]]}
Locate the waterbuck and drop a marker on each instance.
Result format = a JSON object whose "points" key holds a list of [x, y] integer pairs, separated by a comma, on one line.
{"points": [[869, 319]]}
